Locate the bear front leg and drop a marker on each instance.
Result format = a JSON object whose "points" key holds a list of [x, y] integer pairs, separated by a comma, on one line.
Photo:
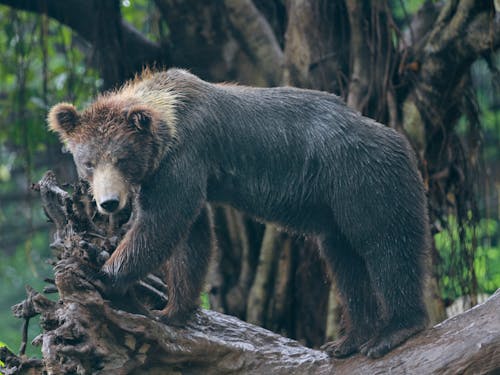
{"points": [[186, 270], [167, 207]]}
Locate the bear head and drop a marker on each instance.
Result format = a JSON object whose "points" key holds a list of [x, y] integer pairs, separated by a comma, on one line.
{"points": [[116, 144]]}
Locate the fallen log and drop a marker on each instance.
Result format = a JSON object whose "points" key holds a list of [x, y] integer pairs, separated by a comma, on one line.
{"points": [[88, 333]]}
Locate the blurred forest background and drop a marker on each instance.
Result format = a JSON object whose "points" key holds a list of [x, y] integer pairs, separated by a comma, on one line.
{"points": [[427, 68]]}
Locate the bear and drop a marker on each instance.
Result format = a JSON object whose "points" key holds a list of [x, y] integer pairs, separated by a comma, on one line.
{"points": [[302, 159]]}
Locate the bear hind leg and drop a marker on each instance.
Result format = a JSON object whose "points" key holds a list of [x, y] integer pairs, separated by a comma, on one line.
{"points": [[350, 276], [397, 279], [186, 270]]}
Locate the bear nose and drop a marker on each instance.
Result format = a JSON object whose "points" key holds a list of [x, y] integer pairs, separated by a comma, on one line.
{"points": [[110, 204]]}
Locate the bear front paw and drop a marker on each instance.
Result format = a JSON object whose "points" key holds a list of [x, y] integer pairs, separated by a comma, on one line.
{"points": [[173, 316], [115, 284]]}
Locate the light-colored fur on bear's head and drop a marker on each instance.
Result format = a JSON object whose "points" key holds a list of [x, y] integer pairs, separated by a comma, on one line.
{"points": [[154, 93]]}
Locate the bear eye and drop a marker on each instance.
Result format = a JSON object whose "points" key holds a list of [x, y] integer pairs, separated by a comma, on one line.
{"points": [[122, 162], [88, 165]]}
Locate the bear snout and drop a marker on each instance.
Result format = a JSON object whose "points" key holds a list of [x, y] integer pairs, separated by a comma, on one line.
{"points": [[110, 189], [110, 205]]}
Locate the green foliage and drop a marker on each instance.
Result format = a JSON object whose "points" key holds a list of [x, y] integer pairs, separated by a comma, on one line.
{"points": [[205, 303], [43, 63], [486, 259], [488, 97], [15, 273], [401, 9], [1, 346], [481, 124], [145, 17]]}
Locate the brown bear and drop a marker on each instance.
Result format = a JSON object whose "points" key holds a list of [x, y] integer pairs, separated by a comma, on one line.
{"points": [[298, 158]]}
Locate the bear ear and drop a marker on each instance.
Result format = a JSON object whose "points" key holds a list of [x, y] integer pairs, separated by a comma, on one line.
{"points": [[140, 118], [63, 118]]}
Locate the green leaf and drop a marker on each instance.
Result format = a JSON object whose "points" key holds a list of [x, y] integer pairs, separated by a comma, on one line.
{"points": [[205, 303], [1, 346]]}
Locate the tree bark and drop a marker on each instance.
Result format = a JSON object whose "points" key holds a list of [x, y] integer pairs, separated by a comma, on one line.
{"points": [[314, 37], [104, 340], [258, 297], [257, 37]]}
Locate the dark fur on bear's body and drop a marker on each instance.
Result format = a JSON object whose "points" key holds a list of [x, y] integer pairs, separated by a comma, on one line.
{"points": [[298, 158]]}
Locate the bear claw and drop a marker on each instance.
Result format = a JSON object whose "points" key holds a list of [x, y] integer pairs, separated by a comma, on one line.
{"points": [[341, 348]]}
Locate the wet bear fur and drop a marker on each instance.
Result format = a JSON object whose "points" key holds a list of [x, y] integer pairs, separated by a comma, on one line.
{"points": [[298, 158]]}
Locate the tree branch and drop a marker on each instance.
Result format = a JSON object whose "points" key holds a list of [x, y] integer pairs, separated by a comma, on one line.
{"points": [[315, 45], [464, 30], [213, 343], [482, 35], [258, 38], [83, 18], [259, 292], [360, 57]]}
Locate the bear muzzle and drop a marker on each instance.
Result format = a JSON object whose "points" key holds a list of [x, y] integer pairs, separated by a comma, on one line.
{"points": [[110, 189]]}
